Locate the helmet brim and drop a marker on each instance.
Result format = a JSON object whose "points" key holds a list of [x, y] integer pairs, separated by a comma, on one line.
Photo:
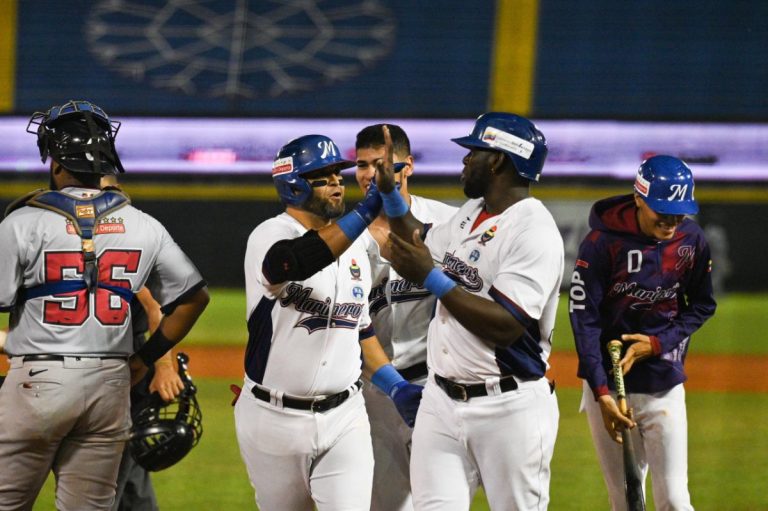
{"points": [[472, 143], [337, 165], [664, 207]]}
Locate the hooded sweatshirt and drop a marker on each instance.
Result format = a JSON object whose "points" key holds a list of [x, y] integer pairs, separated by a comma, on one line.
{"points": [[625, 282]]}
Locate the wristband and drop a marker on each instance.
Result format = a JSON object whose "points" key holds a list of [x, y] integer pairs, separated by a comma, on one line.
{"points": [[386, 378], [394, 204], [156, 346], [438, 283], [352, 224]]}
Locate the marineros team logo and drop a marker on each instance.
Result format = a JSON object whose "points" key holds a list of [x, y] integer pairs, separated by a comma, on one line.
{"points": [[400, 290], [463, 273], [644, 299], [322, 314]]}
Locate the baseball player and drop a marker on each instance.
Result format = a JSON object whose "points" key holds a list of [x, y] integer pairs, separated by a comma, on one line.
{"points": [[643, 277], [400, 312], [71, 259], [301, 422], [488, 415]]}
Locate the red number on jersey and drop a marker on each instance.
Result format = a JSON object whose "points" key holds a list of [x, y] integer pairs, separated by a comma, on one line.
{"points": [[110, 309], [69, 312]]}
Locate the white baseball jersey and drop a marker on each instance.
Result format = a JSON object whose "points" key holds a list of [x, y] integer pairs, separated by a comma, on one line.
{"points": [[401, 310], [514, 258], [38, 247], [304, 335]]}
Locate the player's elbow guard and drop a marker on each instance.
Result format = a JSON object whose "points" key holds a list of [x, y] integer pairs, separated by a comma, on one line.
{"points": [[297, 259]]}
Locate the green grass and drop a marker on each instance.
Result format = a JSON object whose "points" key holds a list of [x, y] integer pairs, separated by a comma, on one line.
{"points": [[727, 443], [728, 433], [738, 326]]}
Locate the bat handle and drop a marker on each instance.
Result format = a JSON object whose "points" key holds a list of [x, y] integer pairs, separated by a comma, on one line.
{"points": [[614, 350]]}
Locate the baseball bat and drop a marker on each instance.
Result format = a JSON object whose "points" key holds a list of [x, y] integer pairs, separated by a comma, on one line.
{"points": [[633, 483]]}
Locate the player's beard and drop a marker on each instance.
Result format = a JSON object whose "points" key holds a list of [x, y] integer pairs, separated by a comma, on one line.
{"points": [[476, 184], [324, 208]]}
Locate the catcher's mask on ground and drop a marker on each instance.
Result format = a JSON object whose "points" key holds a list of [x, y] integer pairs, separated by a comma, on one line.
{"points": [[163, 433]]}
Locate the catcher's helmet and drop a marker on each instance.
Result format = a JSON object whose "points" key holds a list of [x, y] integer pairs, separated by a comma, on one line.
{"points": [[299, 157], [163, 433], [515, 136], [666, 184], [79, 136]]}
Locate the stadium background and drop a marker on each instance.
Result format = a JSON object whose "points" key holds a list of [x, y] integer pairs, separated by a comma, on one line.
{"points": [[699, 62]]}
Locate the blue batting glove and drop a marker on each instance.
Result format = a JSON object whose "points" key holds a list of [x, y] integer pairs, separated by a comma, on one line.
{"points": [[407, 397], [356, 221], [370, 207]]}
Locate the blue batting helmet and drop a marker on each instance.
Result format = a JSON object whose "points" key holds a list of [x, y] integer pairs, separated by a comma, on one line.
{"points": [[515, 136], [299, 157], [666, 184]]}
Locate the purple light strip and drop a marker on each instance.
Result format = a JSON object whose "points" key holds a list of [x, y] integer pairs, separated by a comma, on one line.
{"points": [[595, 149]]}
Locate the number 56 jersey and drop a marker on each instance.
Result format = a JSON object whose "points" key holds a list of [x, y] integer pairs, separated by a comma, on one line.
{"points": [[39, 249]]}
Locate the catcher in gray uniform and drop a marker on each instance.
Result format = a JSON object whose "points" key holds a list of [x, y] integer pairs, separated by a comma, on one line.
{"points": [[71, 259]]}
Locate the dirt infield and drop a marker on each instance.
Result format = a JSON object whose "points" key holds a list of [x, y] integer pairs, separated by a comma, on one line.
{"points": [[726, 373]]}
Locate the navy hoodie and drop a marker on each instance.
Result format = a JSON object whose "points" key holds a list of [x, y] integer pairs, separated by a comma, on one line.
{"points": [[625, 282]]}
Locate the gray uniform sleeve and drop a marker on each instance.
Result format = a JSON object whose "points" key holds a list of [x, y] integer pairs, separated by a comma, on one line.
{"points": [[173, 276], [11, 273]]}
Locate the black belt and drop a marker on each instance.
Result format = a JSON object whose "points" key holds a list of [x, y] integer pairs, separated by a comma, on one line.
{"points": [[415, 371], [60, 358], [316, 405], [465, 391]]}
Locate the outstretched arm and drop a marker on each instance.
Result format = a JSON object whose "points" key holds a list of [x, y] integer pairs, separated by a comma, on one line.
{"points": [[401, 220]]}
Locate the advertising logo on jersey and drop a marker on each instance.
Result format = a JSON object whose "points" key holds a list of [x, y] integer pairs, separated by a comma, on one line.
{"points": [[488, 235], [282, 166], [357, 292], [322, 314], [461, 272], [354, 270], [474, 256], [111, 225]]}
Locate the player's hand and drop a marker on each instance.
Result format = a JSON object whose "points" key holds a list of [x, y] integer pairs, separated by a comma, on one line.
{"points": [[411, 260], [613, 420], [166, 381], [385, 169], [407, 397], [640, 348], [138, 369]]}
